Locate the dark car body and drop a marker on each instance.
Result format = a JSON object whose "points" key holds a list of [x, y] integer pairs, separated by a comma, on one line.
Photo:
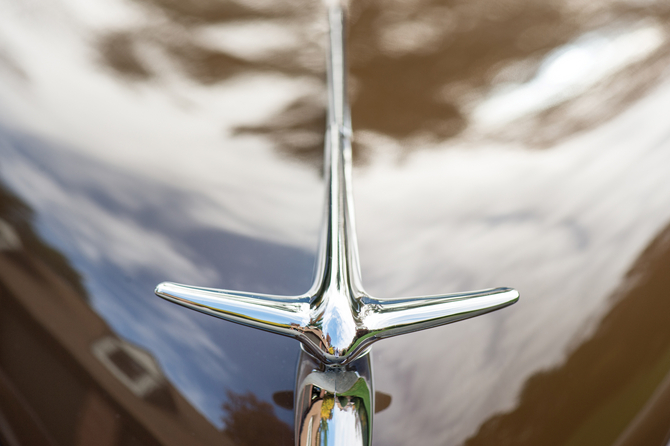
{"points": [[509, 143]]}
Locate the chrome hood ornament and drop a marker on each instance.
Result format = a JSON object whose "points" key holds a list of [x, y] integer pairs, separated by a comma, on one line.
{"points": [[336, 320]]}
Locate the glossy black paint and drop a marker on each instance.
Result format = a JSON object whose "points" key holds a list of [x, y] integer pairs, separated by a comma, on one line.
{"points": [[242, 367], [131, 161]]}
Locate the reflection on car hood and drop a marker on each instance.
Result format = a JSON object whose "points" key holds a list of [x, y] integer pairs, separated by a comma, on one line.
{"points": [[516, 143]]}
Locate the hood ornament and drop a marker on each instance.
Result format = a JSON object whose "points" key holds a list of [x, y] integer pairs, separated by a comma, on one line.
{"points": [[336, 320]]}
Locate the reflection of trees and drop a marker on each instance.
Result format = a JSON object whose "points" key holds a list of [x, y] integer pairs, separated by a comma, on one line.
{"points": [[605, 381], [120, 55], [19, 218], [252, 422], [298, 130], [216, 11], [423, 90], [421, 64], [175, 33], [417, 66], [457, 44]]}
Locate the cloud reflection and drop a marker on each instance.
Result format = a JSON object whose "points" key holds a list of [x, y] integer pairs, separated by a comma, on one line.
{"points": [[569, 71], [121, 235], [563, 226], [150, 93], [421, 70]]}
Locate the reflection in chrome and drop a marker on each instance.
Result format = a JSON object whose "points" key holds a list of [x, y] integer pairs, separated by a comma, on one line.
{"points": [[336, 321], [333, 405]]}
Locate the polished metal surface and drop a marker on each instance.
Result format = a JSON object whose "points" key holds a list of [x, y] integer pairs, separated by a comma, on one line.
{"points": [[334, 405], [336, 321]]}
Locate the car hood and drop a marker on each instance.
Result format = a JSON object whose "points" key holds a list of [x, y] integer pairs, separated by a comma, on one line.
{"points": [[518, 144]]}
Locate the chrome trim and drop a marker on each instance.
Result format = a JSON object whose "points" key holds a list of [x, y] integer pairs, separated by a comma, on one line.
{"points": [[336, 321], [333, 405]]}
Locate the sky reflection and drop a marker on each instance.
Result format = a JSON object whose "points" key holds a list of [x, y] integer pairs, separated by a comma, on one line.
{"points": [[123, 239], [141, 131], [562, 226], [568, 71]]}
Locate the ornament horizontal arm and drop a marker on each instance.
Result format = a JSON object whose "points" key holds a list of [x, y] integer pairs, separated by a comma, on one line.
{"points": [[391, 317], [277, 314]]}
